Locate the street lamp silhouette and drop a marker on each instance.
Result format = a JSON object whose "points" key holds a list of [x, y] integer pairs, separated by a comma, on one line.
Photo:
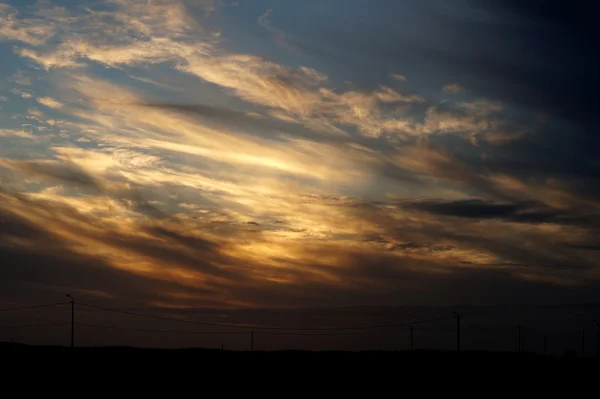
{"points": [[72, 320]]}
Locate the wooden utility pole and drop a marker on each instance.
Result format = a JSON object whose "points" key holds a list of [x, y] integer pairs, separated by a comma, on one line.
{"points": [[252, 341], [72, 324], [458, 332], [545, 344], [412, 339], [583, 342], [519, 338]]}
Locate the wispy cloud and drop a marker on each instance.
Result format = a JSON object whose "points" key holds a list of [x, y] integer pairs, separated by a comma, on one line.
{"points": [[16, 133], [252, 182], [32, 31], [21, 93], [281, 38], [453, 88], [50, 102]]}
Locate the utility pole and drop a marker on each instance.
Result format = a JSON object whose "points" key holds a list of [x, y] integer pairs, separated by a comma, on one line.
{"points": [[457, 330], [519, 338], [72, 321], [545, 344], [583, 342], [252, 341], [523, 344], [412, 339]]}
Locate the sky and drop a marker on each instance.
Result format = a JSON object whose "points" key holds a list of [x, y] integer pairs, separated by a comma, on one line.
{"points": [[217, 154]]}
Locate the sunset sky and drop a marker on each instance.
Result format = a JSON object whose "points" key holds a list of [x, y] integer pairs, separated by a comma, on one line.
{"points": [[275, 153]]}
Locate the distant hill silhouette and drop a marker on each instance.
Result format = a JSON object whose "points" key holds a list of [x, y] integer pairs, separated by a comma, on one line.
{"points": [[359, 358]]}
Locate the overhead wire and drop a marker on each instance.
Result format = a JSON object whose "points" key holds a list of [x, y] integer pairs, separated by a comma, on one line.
{"points": [[157, 331], [488, 329], [34, 306], [233, 332], [264, 330], [256, 327], [36, 325]]}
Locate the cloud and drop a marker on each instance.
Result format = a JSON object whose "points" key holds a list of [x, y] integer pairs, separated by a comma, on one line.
{"points": [[261, 82], [71, 54], [24, 94], [453, 88], [255, 124], [524, 212], [30, 31], [137, 31], [397, 77], [16, 133], [50, 102], [298, 92], [59, 59], [254, 182], [531, 83], [281, 38], [478, 120], [62, 172], [481, 107], [207, 6], [219, 274], [21, 78], [90, 272]]}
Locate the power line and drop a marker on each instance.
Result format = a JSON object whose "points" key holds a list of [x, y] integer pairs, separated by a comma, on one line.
{"points": [[333, 333], [232, 332], [436, 329], [488, 329], [158, 331], [36, 325], [229, 332], [499, 330], [260, 327], [33, 307], [534, 332], [531, 331], [565, 335]]}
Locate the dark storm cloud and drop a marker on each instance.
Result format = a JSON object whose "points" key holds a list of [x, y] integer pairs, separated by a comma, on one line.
{"points": [[523, 212], [590, 247]]}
